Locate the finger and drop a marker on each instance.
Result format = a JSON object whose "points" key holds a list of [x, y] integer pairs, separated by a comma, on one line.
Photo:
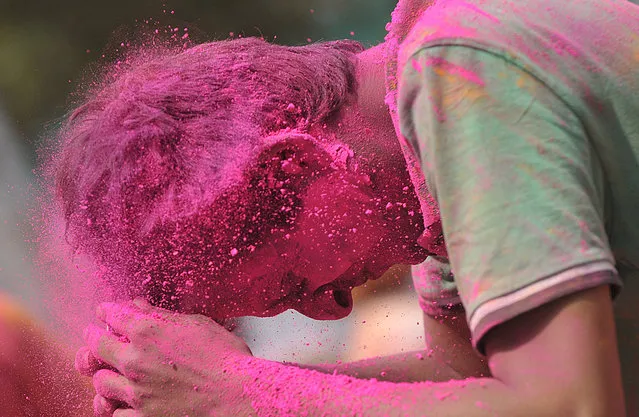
{"points": [[121, 317], [103, 407], [152, 311], [127, 412], [104, 345], [115, 386], [134, 320], [143, 305], [85, 363]]}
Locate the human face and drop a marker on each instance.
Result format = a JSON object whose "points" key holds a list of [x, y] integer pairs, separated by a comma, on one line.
{"points": [[341, 239]]}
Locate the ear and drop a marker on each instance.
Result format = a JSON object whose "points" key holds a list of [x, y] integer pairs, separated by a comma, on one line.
{"points": [[294, 156]]}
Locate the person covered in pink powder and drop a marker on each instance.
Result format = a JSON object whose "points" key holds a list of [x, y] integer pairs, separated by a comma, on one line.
{"points": [[244, 178]]}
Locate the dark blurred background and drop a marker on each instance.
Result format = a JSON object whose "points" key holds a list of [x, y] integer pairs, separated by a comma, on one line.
{"points": [[45, 45]]}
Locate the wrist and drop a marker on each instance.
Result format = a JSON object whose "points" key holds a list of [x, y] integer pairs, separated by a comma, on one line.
{"points": [[270, 388], [231, 387]]}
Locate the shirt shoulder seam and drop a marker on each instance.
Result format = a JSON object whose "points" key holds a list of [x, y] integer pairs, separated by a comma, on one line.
{"points": [[509, 57]]}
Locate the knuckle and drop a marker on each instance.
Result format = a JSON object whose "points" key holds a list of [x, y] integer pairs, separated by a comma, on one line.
{"points": [[131, 362], [145, 329], [99, 376], [82, 360], [100, 380], [200, 318], [129, 366], [137, 397], [100, 406], [102, 346]]}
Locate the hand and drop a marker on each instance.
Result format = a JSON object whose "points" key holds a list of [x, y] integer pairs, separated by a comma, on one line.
{"points": [[159, 363]]}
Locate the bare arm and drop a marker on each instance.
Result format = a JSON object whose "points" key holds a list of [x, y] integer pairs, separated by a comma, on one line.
{"points": [[415, 366], [448, 355], [558, 360]]}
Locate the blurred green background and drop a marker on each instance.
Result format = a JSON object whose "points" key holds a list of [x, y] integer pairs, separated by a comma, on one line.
{"points": [[46, 45]]}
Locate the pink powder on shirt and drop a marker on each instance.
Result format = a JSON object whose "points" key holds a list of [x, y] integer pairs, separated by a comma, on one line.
{"points": [[448, 68]]}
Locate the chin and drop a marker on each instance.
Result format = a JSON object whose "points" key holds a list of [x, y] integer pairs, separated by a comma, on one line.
{"points": [[270, 312], [316, 314]]}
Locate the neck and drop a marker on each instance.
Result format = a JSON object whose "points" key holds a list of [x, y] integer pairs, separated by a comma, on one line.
{"points": [[366, 127], [405, 15], [369, 112], [370, 76], [364, 123]]}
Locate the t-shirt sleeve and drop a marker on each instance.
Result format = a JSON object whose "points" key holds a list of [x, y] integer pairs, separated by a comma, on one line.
{"points": [[519, 188]]}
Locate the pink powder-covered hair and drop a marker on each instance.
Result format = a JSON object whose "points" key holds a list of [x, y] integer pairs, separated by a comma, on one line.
{"points": [[150, 170]]}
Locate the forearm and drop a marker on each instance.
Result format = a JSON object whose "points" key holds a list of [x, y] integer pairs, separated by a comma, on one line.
{"points": [[275, 389], [450, 356], [557, 360], [417, 366]]}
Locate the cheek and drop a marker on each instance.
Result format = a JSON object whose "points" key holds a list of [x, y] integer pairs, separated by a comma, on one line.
{"points": [[337, 235], [339, 225], [246, 287]]}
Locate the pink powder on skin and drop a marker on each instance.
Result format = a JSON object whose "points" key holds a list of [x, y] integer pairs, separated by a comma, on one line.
{"points": [[297, 391], [158, 209], [278, 390], [124, 114]]}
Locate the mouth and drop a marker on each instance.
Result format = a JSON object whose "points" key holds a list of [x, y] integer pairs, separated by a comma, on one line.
{"points": [[343, 298], [328, 302], [333, 300], [334, 296]]}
